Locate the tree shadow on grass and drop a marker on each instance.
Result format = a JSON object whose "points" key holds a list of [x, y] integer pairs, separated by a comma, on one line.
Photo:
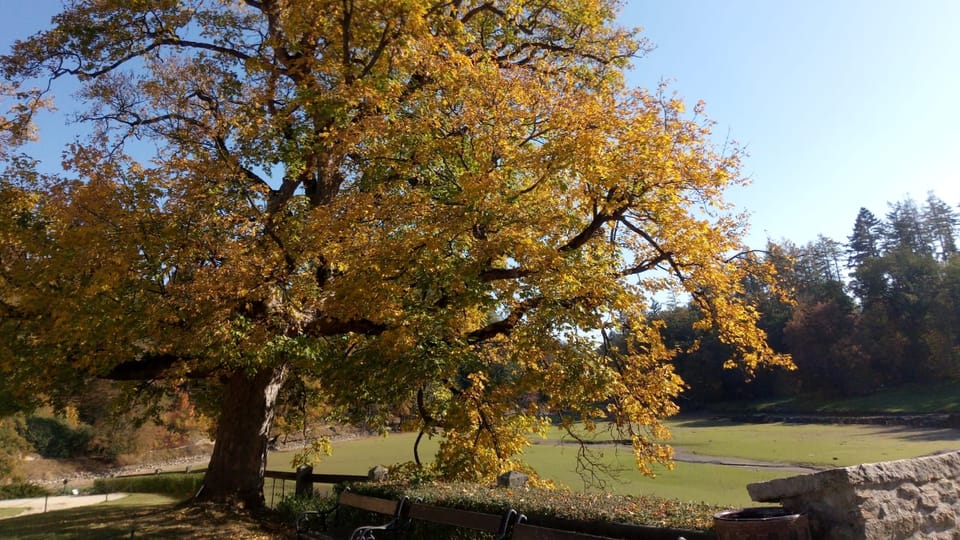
{"points": [[98, 521], [701, 422], [150, 521], [924, 434]]}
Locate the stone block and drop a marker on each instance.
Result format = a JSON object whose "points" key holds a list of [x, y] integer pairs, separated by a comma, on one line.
{"points": [[913, 498], [378, 473], [512, 479]]}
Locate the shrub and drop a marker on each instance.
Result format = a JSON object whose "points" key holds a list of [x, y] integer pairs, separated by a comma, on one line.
{"points": [[178, 485], [22, 490]]}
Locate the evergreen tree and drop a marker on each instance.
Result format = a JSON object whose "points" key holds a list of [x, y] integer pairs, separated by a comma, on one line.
{"points": [[906, 229], [941, 223], [827, 253], [864, 242]]}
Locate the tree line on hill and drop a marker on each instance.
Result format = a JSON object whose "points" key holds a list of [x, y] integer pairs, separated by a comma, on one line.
{"points": [[878, 310]]}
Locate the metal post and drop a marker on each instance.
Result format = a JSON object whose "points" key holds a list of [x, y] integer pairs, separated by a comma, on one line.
{"points": [[304, 486]]}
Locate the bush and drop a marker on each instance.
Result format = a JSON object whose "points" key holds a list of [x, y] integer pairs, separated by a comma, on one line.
{"points": [[177, 485], [11, 445], [55, 438], [290, 508], [22, 490]]}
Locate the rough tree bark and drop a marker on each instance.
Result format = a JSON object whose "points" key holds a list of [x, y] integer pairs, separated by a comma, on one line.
{"points": [[235, 473]]}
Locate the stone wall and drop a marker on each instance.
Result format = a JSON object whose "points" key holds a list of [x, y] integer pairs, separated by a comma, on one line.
{"points": [[909, 498]]}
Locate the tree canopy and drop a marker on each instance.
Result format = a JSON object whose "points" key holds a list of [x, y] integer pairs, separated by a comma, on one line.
{"points": [[442, 203]]}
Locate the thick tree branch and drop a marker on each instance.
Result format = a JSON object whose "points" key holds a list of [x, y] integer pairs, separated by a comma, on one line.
{"points": [[486, 6], [137, 53], [147, 368], [324, 326], [496, 274], [504, 326]]}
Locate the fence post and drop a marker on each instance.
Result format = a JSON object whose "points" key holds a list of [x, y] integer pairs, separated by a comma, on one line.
{"points": [[304, 486]]}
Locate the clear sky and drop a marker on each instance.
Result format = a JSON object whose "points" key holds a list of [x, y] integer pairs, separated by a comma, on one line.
{"points": [[840, 103]]}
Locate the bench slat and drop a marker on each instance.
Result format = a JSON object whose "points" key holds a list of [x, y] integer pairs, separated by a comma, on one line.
{"points": [[370, 504], [522, 531], [458, 518]]}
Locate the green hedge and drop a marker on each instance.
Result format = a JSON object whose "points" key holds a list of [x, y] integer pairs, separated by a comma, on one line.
{"points": [[178, 485], [21, 490], [545, 505], [548, 507]]}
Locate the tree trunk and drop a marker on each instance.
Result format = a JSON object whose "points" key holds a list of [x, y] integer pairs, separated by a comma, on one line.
{"points": [[235, 473]]}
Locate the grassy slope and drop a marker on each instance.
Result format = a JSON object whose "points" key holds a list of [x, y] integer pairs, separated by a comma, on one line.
{"points": [[915, 399]]}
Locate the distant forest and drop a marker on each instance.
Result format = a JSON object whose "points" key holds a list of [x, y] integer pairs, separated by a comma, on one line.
{"points": [[878, 309]]}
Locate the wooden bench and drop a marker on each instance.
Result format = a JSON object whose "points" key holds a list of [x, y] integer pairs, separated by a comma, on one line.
{"points": [[498, 525], [314, 524], [523, 531]]}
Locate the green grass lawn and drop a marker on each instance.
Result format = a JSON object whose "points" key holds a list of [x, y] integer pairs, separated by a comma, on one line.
{"points": [[7, 512], [809, 444], [828, 445], [688, 481], [822, 445], [358, 456], [698, 482]]}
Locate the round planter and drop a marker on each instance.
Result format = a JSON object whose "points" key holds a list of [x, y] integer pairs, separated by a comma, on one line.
{"points": [[763, 523]]}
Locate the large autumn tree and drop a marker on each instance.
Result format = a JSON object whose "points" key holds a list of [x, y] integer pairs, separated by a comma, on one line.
{"points": [[441, 202]]}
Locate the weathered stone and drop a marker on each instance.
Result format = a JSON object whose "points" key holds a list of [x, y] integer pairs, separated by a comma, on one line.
{"points": [[512, 479], [912, 498], [378, 473], [908, 492]]}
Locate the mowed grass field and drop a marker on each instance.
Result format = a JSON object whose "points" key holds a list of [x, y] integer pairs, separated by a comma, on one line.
{"points": [[787, 444], [822, 445]]}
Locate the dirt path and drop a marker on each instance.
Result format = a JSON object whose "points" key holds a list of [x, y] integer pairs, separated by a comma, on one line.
{"points": [[682, 455]]}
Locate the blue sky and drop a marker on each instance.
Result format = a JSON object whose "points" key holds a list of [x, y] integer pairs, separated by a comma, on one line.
{"points": [[841, 104]]}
